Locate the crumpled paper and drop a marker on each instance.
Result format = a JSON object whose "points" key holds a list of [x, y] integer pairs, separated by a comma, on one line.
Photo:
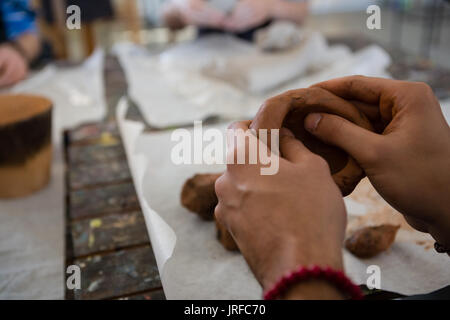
{"points": [[279, 35], [32, 228], [171, 96], [170, 89], [262, 71], [192, 263]]}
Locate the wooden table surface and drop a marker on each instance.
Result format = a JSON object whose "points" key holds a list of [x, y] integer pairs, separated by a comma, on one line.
{"points": [[106, 234]]}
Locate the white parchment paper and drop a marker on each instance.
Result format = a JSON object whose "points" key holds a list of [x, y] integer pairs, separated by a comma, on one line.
{"points": [[192, 263]]}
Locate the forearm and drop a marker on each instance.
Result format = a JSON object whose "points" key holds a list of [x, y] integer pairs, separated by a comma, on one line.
{"points": [[292, 11], [29, 44]]}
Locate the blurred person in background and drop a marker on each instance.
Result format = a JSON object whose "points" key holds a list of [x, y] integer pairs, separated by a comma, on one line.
{"points": [[19, 42], [240, 17]]}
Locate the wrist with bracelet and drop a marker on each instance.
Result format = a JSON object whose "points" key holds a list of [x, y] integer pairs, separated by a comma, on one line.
{"points": [[337, 278]]}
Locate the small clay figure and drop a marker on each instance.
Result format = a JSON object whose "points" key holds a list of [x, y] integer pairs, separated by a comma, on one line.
{"points": [[199, 196], [370, 241]]}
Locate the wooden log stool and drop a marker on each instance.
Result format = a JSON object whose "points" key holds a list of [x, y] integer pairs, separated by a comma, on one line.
{"points": [[25, 144]]}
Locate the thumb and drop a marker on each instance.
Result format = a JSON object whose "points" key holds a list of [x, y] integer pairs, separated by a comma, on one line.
{"points": [[356, 141], [291, 149]]}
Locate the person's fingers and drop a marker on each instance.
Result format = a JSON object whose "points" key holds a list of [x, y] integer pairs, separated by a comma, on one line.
{"points": [[3, 64], [7, 75], [3, 81], [365, 89], [239, 141], [274, 111], [372, 111], [360, 143], [220, 186], [240, 125], [14, 72], [291, 148]]}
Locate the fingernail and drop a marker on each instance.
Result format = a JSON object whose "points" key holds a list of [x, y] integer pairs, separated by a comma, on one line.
{"points": [[285, 132], [312, 121]]}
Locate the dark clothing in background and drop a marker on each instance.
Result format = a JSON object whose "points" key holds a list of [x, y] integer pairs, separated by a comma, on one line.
{"points": [[246, 35], [90, 9], [2, 30]]}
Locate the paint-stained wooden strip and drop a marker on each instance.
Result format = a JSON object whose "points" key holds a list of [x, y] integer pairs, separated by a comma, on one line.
{"points": [[94, 133], [99, 174], [111, 232], [92, 202], [153, 295], [118, 274], [94, 154]]}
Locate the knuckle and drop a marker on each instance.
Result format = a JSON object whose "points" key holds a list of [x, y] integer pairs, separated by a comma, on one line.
{"points": [[218, 214], [287, 142], [233, 125], [359, 77], [417, 89], [314, 94], [243, 190], [312, 160], [375, 152], [416, 95], [319, 162], [424, 88], [354, 79], [371, 155], [220, 186], [270, 104], [338, 124]]}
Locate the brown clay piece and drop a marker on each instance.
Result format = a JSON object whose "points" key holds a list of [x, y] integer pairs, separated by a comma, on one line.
{"points": [[370, 241], [199, 196]]}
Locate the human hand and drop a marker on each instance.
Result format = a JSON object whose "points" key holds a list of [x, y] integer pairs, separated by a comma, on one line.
{"points": [[199, 13], [13, 67], [294, 217], [248, 14], [409, 162], [289, 110]]}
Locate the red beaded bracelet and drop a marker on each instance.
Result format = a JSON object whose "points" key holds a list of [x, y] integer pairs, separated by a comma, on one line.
{"points": [[337, 278]]}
